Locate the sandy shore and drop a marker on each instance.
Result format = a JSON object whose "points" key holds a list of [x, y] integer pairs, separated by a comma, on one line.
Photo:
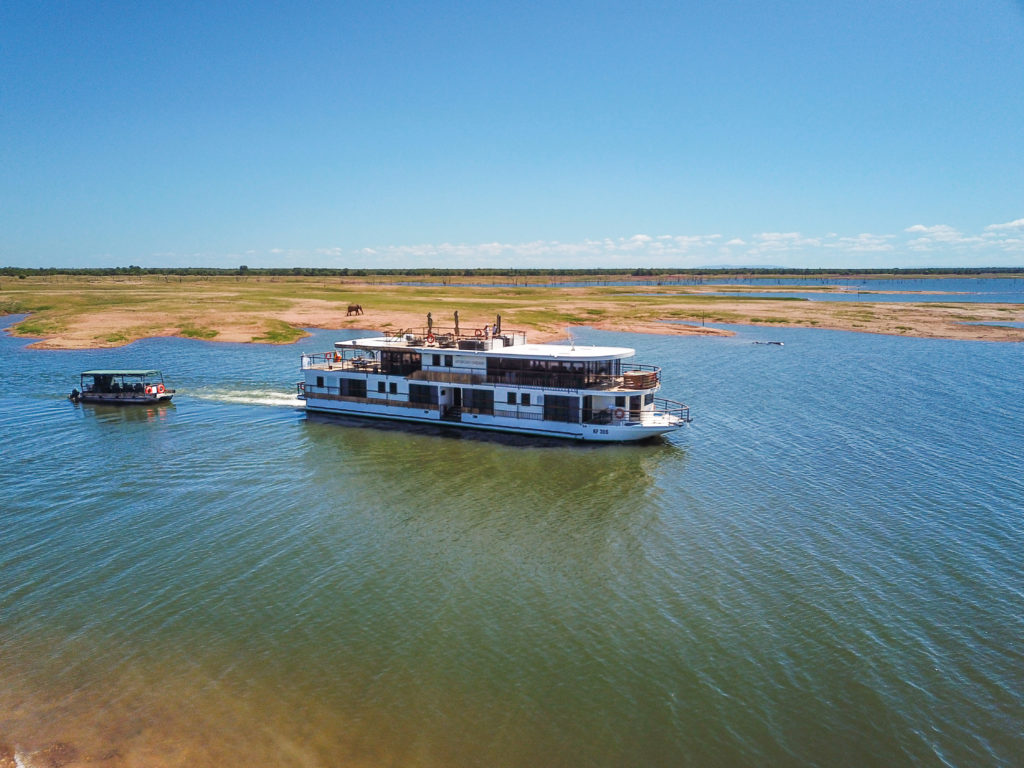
{"points": [[95, 313]]}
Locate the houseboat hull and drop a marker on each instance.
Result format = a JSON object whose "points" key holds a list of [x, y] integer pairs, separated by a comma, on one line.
{"points": [[608, 433]]}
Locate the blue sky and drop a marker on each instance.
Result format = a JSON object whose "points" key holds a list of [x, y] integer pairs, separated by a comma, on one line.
{"points": [[512, 134]]}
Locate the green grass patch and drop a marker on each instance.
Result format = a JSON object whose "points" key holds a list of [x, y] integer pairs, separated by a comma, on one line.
{"points": [[279, 332], [38, 326], [195, 332]]}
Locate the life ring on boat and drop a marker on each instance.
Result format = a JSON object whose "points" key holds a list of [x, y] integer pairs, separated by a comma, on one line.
{"points": [[151, 390], [337, 357], [478, 332], [160, 389], [430, 338], [619, 413]]}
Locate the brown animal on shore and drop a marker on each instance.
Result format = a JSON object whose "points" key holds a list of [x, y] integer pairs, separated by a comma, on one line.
{"points": [[354, 309]]}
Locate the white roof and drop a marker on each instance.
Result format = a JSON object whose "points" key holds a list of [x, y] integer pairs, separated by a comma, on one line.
{"points": [[562, 351], [529, 351]]}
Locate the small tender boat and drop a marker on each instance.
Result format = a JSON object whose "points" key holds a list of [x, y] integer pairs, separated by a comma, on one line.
{"points": [[122, 388]]}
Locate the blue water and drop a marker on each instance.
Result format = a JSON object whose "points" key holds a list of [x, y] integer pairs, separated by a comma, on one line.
{"points": [[1003, 290], [823, 569], [999, 323], [865, 296]]}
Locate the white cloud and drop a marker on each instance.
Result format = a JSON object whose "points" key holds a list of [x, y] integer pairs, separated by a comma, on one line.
{"points": [[939, 236], [916, 245], [865, 242], [1016, 224]]}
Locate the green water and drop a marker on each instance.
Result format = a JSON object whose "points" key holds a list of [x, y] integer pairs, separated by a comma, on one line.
{"points": [[823, 569]]}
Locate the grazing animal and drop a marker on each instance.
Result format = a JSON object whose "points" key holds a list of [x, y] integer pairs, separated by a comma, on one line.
{"points": [[354, 309]]}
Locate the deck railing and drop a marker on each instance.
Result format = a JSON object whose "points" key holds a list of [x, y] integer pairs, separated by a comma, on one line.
{"points": [[332, 393], [662, 408]]}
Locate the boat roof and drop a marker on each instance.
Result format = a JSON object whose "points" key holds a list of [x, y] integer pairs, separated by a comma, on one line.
{"points": [[529, 351], [121, 372]]}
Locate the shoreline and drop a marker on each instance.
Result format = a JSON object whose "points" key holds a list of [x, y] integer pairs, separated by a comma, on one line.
{"points": [[96, 313]]}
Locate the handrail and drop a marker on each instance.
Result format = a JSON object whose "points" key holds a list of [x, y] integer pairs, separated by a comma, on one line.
{"points": [[673, 408]]}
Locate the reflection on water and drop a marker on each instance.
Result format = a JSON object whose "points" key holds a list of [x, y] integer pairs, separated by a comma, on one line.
{"points": [[119, 414]]}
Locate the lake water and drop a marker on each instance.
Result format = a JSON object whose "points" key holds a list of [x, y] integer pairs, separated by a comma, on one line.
{"points": [[822, 569], [953, 289]]}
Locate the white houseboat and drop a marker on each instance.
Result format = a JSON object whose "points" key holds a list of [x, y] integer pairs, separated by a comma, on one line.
{"points": [[492, 380]]}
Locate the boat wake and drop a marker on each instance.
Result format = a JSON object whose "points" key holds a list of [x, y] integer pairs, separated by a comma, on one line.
{"points": [[250, 397]]}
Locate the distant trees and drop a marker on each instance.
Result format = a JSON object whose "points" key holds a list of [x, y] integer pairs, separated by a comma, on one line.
{"points": [[638, 272]]}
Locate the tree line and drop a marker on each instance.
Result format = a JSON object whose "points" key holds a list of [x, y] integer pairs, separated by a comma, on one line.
{"points": [[648, 272]]}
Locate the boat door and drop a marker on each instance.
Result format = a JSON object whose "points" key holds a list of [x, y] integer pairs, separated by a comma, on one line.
{"points": [[451, 404]]}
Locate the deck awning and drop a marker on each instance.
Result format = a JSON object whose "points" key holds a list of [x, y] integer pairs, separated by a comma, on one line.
{"points": [[121, 373]]}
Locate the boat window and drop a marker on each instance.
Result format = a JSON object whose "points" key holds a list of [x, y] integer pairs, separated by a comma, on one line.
{"points": [[511, 398], [525, 400], [620, 401], [648, 398], [380, 386], [352, 387], [436, 359], [319, 381], [422, 393], [393, 388], [448, 360], [479, 399], [561, 408], [399, 362]]}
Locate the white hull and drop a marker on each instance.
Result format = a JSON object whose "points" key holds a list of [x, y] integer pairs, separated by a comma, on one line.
{"points": [[606, 433]]}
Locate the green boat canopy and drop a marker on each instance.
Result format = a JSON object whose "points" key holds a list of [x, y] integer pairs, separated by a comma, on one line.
{"points": [[120, 373]]}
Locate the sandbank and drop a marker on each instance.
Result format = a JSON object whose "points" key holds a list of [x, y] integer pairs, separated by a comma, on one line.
{"points": [[93, 312]]}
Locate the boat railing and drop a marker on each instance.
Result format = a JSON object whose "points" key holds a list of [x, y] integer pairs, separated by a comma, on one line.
{"points": [[672, 408], [335, 361], [447, 377], [517, 413], [306, 391], [662, 408], [453, 337]]}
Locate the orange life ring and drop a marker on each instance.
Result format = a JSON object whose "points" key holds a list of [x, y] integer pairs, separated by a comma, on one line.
{"points": [[478, 332], [430, 338], [160, 389], [150, 390], [619, 413]]}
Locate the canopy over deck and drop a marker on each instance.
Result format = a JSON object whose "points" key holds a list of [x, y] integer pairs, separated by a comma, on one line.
{"points": [[152, 372]]}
